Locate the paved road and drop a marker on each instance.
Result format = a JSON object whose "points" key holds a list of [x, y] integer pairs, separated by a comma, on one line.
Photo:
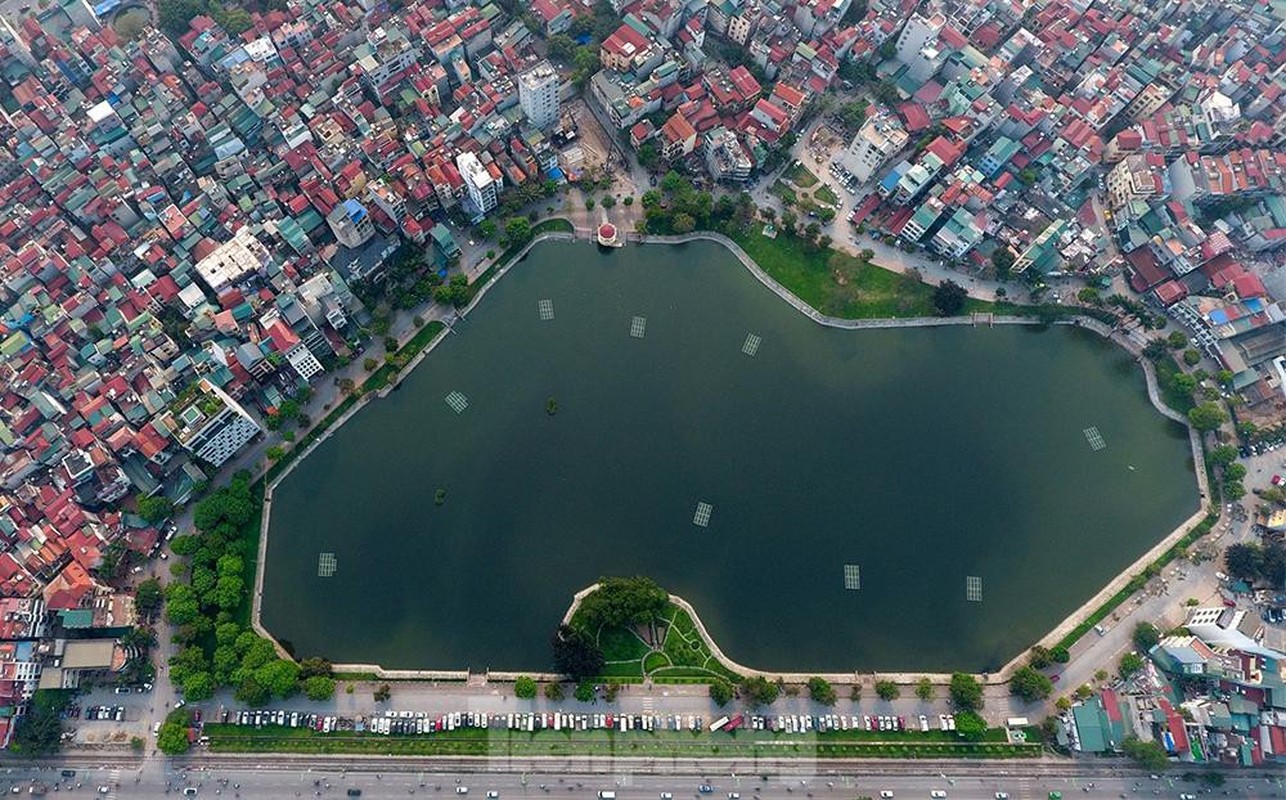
{"points": [[635, 781]]}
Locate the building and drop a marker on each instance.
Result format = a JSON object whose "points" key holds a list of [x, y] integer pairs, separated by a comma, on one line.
{"points": [[678, 138], [1139, 175], [481, 187], [383, 59], [211, 425], [917, 33], [538, 95], [879, 139], [351, 224], [726, 158], [233, 260]]}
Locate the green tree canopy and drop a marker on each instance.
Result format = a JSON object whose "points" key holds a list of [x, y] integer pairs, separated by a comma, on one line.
{"points": [[820, 690], [1146, 636], [524, 688], [970, 726], [623, 602], [966, 692], [1030, 685], [949, 298], [1207, 416], [721, 692], [1150, 754], [760, 691], [575, 654], [318, 687], [147, 597], [887, 690]]}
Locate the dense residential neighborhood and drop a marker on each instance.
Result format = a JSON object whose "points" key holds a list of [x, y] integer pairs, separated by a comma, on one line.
{"points": [[203, 221]]}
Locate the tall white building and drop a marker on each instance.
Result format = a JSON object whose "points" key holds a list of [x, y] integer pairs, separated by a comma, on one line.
{"points": [[538, 95], [918, 32], [879, 139], [478, 182], [213, 426]]}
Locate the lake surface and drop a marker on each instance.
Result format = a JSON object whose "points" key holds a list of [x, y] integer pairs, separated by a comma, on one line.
{"points": [[921, 456]]}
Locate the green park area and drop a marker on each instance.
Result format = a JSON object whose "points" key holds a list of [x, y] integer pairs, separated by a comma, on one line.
{"points": [[668, 650], [841, 285]]}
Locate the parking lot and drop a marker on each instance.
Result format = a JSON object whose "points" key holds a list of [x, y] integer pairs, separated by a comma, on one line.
{"points": [[104, 716]]}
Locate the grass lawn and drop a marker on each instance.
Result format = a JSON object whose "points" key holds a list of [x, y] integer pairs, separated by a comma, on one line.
{"points": [[492, 741], [840, 285], [682, 657], [784, 192], [801, 177], [825, 195]]}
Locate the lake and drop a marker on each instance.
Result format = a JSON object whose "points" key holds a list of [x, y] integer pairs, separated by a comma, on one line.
{"points": [[922, 457]]}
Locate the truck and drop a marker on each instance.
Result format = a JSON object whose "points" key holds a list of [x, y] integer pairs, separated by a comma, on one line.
{"points": [[718, 724]]}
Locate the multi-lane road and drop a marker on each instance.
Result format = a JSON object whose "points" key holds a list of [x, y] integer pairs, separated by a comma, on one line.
{"points": [[630, 780]]}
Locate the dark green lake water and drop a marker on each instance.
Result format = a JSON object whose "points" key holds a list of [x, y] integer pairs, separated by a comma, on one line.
{"points": [[923, 456]]}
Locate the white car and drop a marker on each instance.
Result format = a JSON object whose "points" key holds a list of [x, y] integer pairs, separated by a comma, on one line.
{"points": [[667, 796], [886, 794], [938, 794], [462, 790]]}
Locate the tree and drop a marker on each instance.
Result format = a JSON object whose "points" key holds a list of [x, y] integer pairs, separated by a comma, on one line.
{"points": [[949, 298], [197, 687], [172, 738], [1207, 417], [382, 693], [275, 452], [1244, 560], [1089, 296], [315, 666], [970, 726], [173, 16], [517, 232], [575, 654], [1149, 755], [1030, 685], [760, 691], [1146, 636], [155, 509], [319, 687], [584, 691], [1060, 654], [40, 729], [623, 602], [1222, 456], [965, 692], [1156, 349], [821, 691], [279, 676], [924, 688], [1177, 340], [1002, 258], [1191, 357], [1040, 657], [524, 688], [181, 605], [554, 691], [147, 597], [487, 229], [683, 223], [887, 690], [721, 691], [251, 692], [1130, 664], [561, 47]]}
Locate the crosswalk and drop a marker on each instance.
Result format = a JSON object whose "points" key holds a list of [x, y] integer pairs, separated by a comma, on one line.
{"points": [[113, 779]]}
